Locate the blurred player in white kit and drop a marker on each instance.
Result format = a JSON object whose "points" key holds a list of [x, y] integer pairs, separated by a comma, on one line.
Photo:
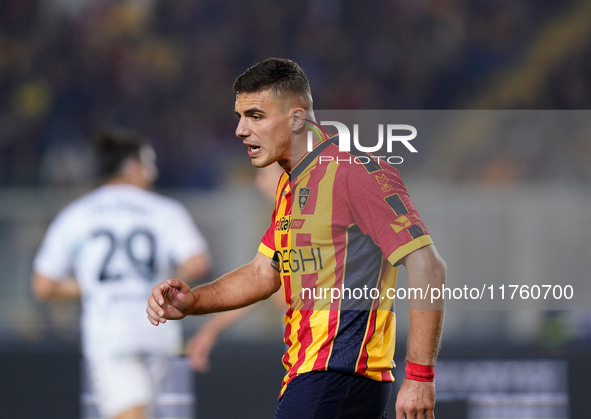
{"points": [[109, 248]]}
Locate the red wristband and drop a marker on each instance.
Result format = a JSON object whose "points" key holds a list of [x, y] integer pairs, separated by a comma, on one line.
{"points": [[419, 372]]}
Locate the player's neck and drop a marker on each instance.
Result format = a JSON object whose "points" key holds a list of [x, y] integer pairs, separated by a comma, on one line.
{"points": [[299, 147], [126, 181]]}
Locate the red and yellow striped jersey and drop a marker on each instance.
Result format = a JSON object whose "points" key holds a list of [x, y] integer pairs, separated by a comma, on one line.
{"points": [[348, 227]]}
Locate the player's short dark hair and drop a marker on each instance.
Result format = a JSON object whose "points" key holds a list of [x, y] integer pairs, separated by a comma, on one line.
{"points": [[280, 75], [113, 147]]}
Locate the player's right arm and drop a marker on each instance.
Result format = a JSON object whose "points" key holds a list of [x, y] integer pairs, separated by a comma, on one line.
{"points": [[246, 285], [53, 263]]}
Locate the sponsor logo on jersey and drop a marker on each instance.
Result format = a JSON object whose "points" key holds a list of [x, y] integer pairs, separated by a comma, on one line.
{"points": [[286, 223], [296, 224], [401, 223], [283, 224], [306, 259]]}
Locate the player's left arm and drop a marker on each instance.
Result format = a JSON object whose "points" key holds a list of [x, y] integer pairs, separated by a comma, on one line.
{"points": [[46, 289], [425, 269]]}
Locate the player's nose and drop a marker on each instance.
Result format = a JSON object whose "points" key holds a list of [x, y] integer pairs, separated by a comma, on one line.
{"points": [[242, 130]]}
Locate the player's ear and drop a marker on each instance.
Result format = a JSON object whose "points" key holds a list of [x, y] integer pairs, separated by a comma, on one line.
{"points": [[298, 116]]}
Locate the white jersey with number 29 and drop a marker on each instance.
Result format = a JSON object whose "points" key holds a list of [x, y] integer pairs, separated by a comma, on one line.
{"points": [[119, 241]]}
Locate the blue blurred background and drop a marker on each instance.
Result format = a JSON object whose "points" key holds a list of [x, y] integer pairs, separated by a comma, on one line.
{"points": [[515, 204], [71, 67]]}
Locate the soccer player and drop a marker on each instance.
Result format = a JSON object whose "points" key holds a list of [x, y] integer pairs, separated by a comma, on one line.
{"points": [[350, 226], [118, 241]]}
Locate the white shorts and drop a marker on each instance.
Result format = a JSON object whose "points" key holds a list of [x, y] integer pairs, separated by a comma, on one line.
{"points": [[122, 382]]}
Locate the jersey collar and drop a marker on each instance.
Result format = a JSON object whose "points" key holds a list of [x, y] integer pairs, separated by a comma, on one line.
{"points": [[310, 156]]}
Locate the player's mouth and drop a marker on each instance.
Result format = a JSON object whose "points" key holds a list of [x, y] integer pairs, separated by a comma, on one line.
{"points": [[253, 151]]}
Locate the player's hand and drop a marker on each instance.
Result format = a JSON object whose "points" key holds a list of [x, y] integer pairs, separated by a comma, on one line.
{"points": [[169, 300], [416, 400], [199, 348]]}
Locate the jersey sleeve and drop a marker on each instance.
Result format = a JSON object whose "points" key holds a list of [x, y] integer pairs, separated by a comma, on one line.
{"points": [[54, 258], [267, 246], [383, 210], [185, 238]]}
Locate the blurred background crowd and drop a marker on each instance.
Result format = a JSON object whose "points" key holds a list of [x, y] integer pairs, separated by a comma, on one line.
{"points": [[71, 67]]}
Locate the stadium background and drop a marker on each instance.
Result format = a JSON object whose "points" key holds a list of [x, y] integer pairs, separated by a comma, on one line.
{"points": [[515, 205]]}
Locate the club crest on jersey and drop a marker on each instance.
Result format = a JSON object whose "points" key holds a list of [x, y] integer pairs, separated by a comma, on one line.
{"points": [[303, 197]]}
